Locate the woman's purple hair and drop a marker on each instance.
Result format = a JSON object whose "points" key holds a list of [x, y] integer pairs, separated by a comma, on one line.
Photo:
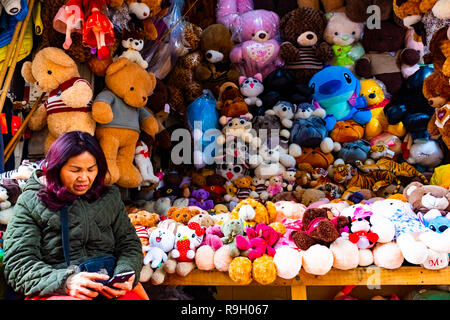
{"points": [[71, 144]]}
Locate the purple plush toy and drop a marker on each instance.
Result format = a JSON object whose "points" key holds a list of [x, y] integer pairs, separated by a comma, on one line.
{"points": [[200, 199], [257, 32]]}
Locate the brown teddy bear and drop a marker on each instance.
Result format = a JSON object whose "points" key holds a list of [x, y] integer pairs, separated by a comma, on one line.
{"points": [[304, 50], [431, 201], [318, 227], [231, 103], [436, 88], [244, 187], [356, 10], [440, 51], [182, 215], [120, 113], [216, 68], [378, 62], [68, 107], [145, 11], [181, 82]]}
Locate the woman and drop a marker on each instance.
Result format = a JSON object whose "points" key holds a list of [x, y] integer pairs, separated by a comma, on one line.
{"points": [[98, 225]]}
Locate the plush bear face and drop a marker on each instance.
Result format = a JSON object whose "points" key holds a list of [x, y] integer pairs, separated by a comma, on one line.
{"points": [[436, 88], [275, 180], [389, 38], [303, 26], [256, 181], [258, 25], [408, 10], [144, 9], [427, 196], [244, 182], [356, 150], [373, 91], [231, 171], [284, 110], [162, 238], [130, 82], [49, 68], [143, 218], [237, 126], [215, 180], [200, 194], [341, 30], [216, 43], [308, 132], [182, 215]]}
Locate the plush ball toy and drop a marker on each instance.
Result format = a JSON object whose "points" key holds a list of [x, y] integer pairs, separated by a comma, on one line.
{"points": [[388, 255], [317, 260], [216, 69], [256, 31], [337, 90], [68, 106], [345, 254], [264, 270], [343, 35], [288, 262], [240, 270], [128, 88], [304, 51]]}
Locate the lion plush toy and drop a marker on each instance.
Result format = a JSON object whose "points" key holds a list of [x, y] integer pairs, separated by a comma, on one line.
{"points": [[120, 113], [68, 107]]}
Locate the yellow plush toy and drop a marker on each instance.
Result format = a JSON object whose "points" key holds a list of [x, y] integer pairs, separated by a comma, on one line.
{"points": [[441, 176], [260, 213], [68, 107], [119, 111], [373, 91]]}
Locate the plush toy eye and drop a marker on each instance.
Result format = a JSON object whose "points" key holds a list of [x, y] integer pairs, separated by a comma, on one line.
{"points": [[131, 88], [433, 228], [49, 72], [242, 121], [313, 88], [354, 32], [193, 236], [336, 33], [347, 78], [237, 169], [442, 228]]}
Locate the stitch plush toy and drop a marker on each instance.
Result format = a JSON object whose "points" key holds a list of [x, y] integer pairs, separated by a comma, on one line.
{"points": [[120, 115], [68, 107], [256, 31], [337, 90]]}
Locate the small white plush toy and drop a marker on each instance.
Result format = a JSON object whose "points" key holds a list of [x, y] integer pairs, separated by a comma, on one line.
{"points": [[134, 44], [161, 241], [144, 164], [251, 88]]}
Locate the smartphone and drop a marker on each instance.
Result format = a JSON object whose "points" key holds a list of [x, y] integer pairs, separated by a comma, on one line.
{"points": [[121, 277]]}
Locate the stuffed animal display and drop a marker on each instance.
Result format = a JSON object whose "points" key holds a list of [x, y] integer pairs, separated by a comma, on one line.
{"points": [[257, 138]]}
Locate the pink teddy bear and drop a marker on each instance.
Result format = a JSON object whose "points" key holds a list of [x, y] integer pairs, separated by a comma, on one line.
{"points": [[257, 31], [259, 241]]}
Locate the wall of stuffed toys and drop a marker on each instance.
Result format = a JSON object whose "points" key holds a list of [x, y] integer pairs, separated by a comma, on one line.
{"points": [[284, 135]]}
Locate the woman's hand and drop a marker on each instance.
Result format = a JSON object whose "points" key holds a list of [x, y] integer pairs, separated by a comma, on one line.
{"points": [[83, 285], [119, 289]]}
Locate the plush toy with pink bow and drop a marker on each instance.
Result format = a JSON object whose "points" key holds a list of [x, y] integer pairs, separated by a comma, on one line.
{"points": [[257, 32], [259, 241]]}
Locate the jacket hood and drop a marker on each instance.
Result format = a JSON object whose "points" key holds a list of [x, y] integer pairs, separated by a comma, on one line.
{"points": [[36, 181]]}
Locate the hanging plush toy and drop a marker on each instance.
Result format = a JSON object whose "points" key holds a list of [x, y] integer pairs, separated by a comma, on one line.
{"points": [[98, 31], [68, 19], [133, 42]]}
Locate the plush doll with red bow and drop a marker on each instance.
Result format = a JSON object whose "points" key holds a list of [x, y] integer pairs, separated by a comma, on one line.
{"points": [[188, 238], [360, 229], [144, 164]]}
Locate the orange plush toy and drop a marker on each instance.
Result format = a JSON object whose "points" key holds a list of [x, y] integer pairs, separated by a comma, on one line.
{"points": [[120, 113], [68, 107]]}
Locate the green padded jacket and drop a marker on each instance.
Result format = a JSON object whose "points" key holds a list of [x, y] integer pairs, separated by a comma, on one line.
{"points": [[34, 259]]}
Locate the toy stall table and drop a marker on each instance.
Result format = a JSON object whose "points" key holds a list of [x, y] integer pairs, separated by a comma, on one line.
{"points": [[363, 276]]}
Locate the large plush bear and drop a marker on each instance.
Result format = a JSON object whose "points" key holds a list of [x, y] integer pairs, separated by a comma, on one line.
{"points": [[257, 32], [120, 114], [216, 69], [304, 50], [384, 53]]}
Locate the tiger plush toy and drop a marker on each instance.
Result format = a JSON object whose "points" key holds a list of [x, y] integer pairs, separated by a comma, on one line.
{"points": [[373, 180]]}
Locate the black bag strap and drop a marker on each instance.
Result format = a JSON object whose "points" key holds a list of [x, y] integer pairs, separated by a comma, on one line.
{"points": [[65, 233]]}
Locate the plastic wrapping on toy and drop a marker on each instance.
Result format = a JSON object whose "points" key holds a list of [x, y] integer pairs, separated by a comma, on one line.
{"points": [[162, 53], [203, 123], [119, 17]]}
